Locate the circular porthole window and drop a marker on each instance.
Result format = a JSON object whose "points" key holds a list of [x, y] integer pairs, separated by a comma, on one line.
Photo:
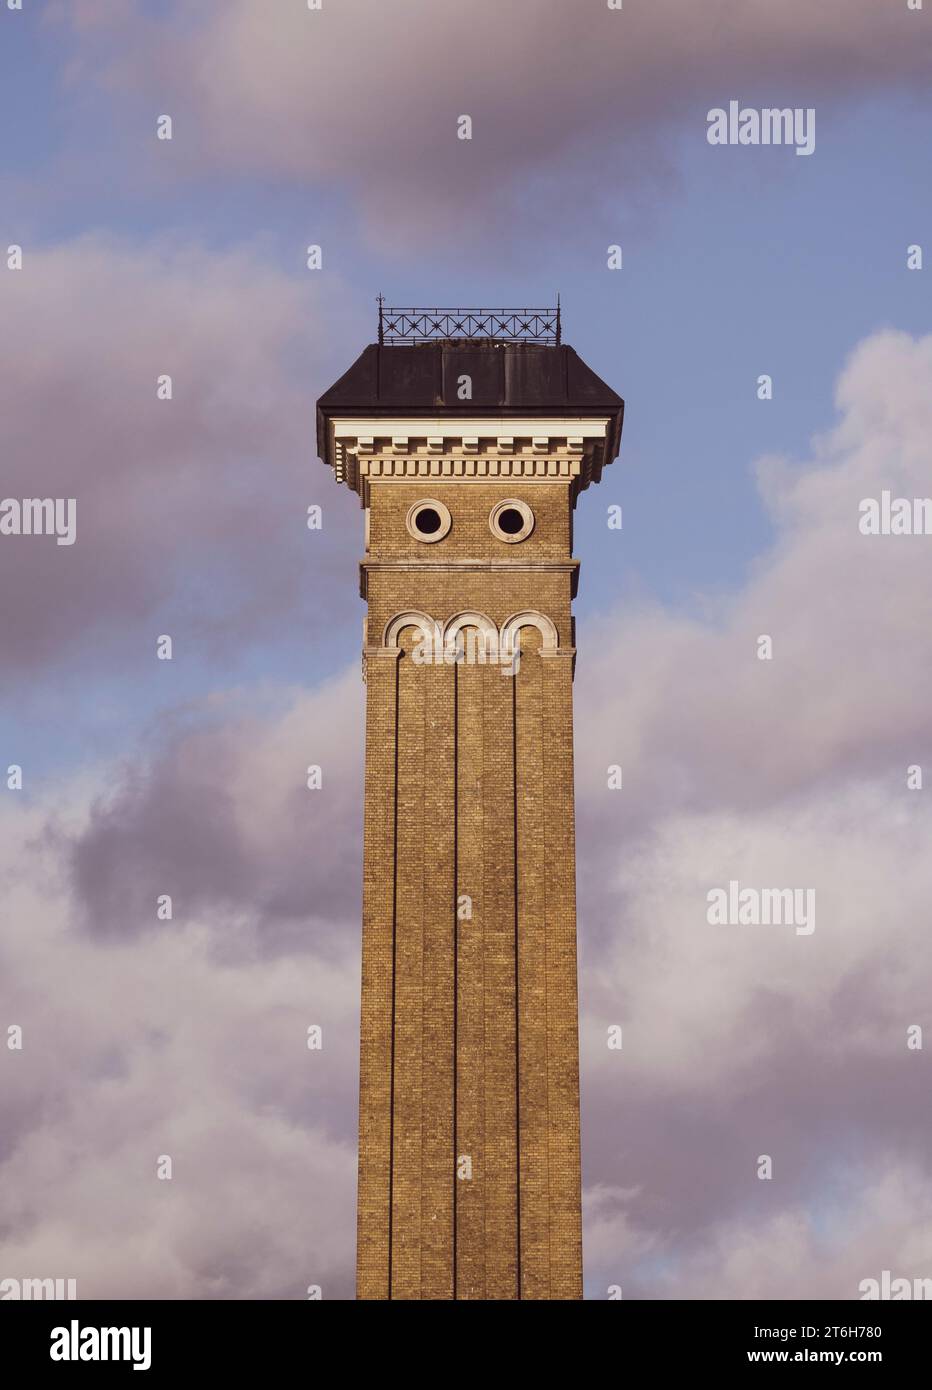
{"points": [[428, 520], [511, 520]]}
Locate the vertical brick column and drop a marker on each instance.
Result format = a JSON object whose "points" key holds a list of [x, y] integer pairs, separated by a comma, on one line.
{"points": [[410, 913], [498, 946], [438, 852], [561, 994], [376, 1021], [471, 1040], [533, 1120]]}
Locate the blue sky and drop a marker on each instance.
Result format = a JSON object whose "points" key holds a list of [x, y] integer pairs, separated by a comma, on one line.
{"points": [[752, 261]]}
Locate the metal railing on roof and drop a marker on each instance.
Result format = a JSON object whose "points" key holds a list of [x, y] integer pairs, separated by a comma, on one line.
{"points": [[422, 325]]}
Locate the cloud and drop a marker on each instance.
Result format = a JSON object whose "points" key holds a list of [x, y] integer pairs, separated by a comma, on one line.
{"points": [[749, 1040], [793, 1253], [567, 101], [685, 703], [190, 512], [186, 1037], [220, 817]]}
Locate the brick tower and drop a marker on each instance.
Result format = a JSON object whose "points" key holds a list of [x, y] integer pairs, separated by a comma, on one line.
{"points": [[468, 436]]}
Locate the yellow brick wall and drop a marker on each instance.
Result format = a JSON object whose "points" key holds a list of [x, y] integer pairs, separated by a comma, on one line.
{"points": [[469, 1026], [469, 504]]}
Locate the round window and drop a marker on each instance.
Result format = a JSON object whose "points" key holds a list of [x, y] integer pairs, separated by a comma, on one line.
{"points": [[428, 520], [511, 520]]}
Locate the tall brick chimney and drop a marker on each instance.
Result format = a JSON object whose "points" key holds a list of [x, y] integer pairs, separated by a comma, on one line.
{"points": [[468, 435]]}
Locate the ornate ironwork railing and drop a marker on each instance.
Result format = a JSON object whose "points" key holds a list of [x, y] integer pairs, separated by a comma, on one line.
{"points": [[504, 325]]}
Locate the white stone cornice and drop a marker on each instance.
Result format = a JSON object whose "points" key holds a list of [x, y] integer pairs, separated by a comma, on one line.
{"points": [[532, 449]]}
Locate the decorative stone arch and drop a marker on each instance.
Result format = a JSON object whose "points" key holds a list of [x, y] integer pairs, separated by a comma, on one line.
{"points": [[455, 625], [529, 618], [429, 627]]}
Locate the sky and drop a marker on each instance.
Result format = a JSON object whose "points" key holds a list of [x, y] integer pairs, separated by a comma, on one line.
{"points": [[142, 256]]}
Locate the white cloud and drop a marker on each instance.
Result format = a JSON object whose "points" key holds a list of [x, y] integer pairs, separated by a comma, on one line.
{"points": [[738, 1040], [186, 1038], [176, 510], [561, 95], [742, 1040]]}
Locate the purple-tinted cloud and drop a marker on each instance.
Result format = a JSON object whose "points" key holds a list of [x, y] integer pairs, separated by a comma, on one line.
{"points": [[191, 511], [567, 100], [749, 1040], [178, 1037]]}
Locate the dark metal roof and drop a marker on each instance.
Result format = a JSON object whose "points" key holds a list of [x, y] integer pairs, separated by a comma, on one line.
{"points": [[508, 379]]}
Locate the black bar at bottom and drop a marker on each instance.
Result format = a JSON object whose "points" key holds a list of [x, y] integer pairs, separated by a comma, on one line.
{"points": [[161, 1339]]}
